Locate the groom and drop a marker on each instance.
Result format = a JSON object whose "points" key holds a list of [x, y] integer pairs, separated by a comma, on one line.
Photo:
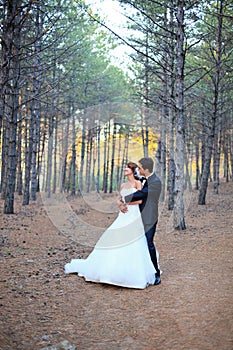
{"points": [[149, 195]]}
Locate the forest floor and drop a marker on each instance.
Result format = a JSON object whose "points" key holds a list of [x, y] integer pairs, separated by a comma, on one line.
{"points": [[192, 309]]}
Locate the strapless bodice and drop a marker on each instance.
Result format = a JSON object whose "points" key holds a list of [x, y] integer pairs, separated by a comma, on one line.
{"points": [[127, 191]]}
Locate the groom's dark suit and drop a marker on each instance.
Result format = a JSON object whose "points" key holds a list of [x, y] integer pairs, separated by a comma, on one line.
{"points": [[149, 195]]}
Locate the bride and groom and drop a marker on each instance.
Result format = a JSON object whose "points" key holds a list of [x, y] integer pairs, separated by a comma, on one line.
{"points": [[125, 254]]}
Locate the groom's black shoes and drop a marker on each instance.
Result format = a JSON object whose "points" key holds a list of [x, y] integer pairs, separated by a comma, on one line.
{"points": [[157, 280]]}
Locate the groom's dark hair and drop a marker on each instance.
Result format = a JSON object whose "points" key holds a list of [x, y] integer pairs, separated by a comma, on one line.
{"points": [[147, 163]]}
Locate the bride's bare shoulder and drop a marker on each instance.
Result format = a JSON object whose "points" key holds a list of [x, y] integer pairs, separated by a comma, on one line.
{"points": [[138, 185], [123, 185]]}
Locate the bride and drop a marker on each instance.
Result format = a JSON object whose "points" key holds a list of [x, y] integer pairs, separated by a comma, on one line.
{"points": [[121, 256]]}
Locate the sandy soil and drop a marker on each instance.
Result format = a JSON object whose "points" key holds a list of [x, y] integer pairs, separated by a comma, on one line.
{"points": [[192, 309]]}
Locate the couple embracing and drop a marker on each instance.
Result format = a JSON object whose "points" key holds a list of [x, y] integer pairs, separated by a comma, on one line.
{"points": [[125, 255]]}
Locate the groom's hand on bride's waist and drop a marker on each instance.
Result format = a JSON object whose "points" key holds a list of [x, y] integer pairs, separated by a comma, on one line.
{"points": [[122, 206]]}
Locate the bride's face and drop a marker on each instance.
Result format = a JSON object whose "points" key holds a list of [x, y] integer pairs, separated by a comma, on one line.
{"points": [[127, 171]]}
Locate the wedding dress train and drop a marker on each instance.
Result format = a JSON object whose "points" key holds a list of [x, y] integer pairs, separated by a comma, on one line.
{"points": [[121, 256]]}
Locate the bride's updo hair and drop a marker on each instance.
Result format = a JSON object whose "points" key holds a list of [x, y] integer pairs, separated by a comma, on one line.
{"points": [[133, 166]]}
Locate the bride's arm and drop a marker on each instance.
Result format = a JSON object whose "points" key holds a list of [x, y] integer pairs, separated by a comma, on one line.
{"points": [[121, 203]]}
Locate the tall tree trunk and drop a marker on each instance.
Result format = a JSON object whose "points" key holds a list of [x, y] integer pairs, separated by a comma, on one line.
{"points": [[164, 113], [108, 129], [19, 158], [88, 159], [119, 160], [55, 132], [163, 154], [73, 162], [211, 135], [216, 157], [231, 151], [197, 163], [41, 159], [54, 127], [145, 131], [226, 154], [83, 146], [36, 137], [50, 154], [1, 141], [4, 78], [188, 174], [11, 35], [93, 179], [217, 148], [113, 156], [204, 136], [28, 158], [105, 159], [66, 130], [179, 220], [171, 110], [98, 157], [36, 113], [125, 155], [5, 151]]}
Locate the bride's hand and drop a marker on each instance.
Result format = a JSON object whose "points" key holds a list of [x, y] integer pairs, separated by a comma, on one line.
{"points": [[122, 206]]}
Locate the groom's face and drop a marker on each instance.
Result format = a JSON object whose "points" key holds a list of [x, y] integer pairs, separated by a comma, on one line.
{"points": [[141, 170]]}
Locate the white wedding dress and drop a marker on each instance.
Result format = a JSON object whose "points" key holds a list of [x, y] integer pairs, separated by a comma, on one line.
{"points": [[121, 256]]}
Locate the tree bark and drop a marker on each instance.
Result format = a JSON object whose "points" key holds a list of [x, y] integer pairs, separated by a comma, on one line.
{"points": [[197, 163], [214, 117], [179, 220], [73, 161], [145, 131], [216, 156], [82, 160], [19, 187], [36, 112], [98, 156], [231, 151], [65, 139], [171, 112], [118, 181], [28, 158], [89, 150], [106, 172], [113, 156], [12, 40], [5, 151]]}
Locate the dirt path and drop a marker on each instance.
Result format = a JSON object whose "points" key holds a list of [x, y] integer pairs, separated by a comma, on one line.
{"points": [[192, 309]]}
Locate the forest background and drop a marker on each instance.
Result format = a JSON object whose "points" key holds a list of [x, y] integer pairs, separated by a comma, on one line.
{"points": [[70, 118]]}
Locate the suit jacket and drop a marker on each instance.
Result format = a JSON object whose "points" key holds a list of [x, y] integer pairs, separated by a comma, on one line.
{"points": [[149, 195]]}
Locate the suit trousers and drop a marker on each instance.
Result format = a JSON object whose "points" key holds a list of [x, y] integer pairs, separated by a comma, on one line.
{"points": [[152, 250]]}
